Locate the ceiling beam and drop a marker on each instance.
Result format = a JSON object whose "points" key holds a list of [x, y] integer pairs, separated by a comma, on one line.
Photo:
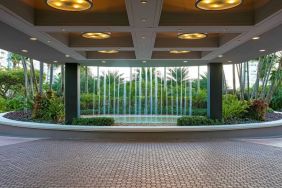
{"points": [[143, 16]]}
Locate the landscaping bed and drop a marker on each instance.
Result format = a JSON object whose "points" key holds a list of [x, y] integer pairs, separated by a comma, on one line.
{"points": [[26, 116]]}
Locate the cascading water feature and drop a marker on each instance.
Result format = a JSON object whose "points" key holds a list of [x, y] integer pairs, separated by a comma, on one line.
{"points": [[114, 93], [135, 96], [118, 95], [151, 91], [156, 92], [140, 92], [146, 92], [163, 93], [124, 96], [104, 93], [109, 95], [99, 92]]}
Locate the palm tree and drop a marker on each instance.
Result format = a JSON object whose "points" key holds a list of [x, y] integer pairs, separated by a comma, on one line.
{"points": [[15, 59]]}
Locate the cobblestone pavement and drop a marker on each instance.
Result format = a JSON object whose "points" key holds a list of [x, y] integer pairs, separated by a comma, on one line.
{"points": [[70, 163]]}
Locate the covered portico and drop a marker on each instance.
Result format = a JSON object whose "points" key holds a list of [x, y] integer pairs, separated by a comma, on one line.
{"points": [[141, 34]]}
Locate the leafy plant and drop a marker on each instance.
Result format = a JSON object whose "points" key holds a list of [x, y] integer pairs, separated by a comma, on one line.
{"points": [[257, 109], [195, 120], [200, 99], [96, 121], [233, 107]]}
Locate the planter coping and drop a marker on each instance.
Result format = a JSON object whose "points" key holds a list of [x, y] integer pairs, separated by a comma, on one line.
{"points": [[47, 126]]}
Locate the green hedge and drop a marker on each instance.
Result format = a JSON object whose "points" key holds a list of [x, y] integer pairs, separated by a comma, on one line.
{"points": [[195, 120], [97, 121]]}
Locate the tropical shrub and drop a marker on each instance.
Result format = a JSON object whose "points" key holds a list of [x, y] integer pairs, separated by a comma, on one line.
{"points": [[200, 99], [2, 105], [195, 120], [86, 101], [96, 121], [48, 107], [199, 112], [276, 102], [257, 110], [233, 107]]}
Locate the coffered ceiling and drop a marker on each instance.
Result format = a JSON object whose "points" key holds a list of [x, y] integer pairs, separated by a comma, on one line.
{"points": [[142, 33]]}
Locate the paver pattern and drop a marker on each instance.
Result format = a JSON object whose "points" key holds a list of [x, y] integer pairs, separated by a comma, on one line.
{"points": [[70, 163]]}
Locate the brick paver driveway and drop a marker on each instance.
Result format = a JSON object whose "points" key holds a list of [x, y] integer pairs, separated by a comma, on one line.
{"points": [[70, 163]]}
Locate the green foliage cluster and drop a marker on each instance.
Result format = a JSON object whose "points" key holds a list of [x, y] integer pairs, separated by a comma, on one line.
{"points": [[48, 107], [200, 99], [233, 107], [276, 102], [96, 121], [257, 110], [196, 120]]}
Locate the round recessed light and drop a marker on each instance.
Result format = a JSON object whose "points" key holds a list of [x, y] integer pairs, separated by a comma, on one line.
{"points": [[217, 4], [262, 50], [67, 55], [229, 61], [108, 51], [179, 51], [256, 38], [143, 37], [33, 38], [185, 61], [55, 61], [143, 20], [24, 51], [220, 56], [99, 36], [144, 1], [103, 61], [144, 61], [191, 36], [70, 5]]}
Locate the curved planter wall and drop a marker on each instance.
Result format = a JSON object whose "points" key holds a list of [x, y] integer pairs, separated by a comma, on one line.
{"points": [[13, 127]]}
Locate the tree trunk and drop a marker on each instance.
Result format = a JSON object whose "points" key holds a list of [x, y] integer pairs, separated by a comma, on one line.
{"points": [[51, 77], [234, 79], [25, 82], [256, 85], [41, 78], [86, 82], [248, 79], [62, 79], [198, 80], [34, 75]]}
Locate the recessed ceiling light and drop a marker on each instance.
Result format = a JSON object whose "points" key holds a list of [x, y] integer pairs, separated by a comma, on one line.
{"points": [[33, 38], [108, 51], [179, 51], [143, 20], [48, 41], [220, 56], [256, 38], [143, 37], [99, 36], [191, 36], [143, 1], [70, 5], [55, 61], [144, 61], [229, 61], [262, 50], [103, 61], [25, 51], [185, 61], [217, 4], [67, 55]]}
